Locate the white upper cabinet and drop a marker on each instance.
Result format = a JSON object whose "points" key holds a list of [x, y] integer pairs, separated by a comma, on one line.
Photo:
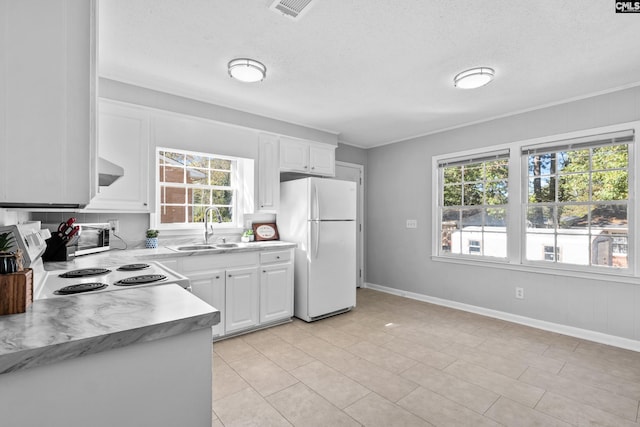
{"points": [[47, 102], [308, 157], [268, 174], [123, 139]]}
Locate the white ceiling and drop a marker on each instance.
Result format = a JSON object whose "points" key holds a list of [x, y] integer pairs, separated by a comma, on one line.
{"points": [[373, 71]]}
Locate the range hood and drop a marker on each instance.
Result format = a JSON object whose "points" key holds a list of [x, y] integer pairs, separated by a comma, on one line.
{"points": [[108, 172]]}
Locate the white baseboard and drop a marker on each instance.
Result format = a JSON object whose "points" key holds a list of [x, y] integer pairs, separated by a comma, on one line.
{"points": [[585, 334]]}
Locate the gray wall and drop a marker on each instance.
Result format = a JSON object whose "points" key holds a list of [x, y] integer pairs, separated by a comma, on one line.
{"points": [[351, 154], [400, 188]]}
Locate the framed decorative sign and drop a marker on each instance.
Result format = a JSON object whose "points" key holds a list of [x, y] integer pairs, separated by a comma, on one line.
{"points": [[265, 231]]}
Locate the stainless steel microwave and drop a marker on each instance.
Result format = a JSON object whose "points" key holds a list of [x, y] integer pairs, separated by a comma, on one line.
{"points": [[92, 238]]}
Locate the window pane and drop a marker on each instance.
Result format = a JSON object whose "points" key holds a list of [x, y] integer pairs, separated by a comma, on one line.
{"points": [[473, 194], [221, 164], [542, 190], [540, 217], [195, 161], [497, 193], [220, 178], [496, 217], [610, 185], [538, 245], [472, 218], [495, 245], [573, 161], [452, 174], [609, 216], [573, 217], [171, 174], [172, 195], [452, 195], [449, 227], [199, 196], [574, 248], [471, 242], [542, 164], [573, 188], [497, 170], [610, 250], [172, 214], [197, 176], [473, 172], [610, 157], [222, 197], [195, 213]]}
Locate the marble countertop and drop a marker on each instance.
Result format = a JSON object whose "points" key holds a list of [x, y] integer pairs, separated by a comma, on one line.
{"points": [[57, 329], [119, 257]]}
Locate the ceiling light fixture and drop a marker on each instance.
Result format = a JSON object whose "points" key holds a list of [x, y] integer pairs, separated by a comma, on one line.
{"points": [[474, 78], [247, 70]]}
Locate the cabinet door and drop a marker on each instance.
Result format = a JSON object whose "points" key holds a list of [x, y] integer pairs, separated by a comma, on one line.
{"points": [[242, 305], [276, 292], [268, 173], [123, 139], [322, 160], [47, 102], [294, 155], [210, 287]]}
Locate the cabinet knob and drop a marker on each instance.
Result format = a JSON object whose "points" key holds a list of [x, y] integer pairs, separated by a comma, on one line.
{"points": [[229, 275], [277, 257], [264, 271], [313, 167], [305, 166], [217, 277]]}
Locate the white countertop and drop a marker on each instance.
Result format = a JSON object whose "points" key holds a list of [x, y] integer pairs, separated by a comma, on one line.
{"points": [[57, 329]]}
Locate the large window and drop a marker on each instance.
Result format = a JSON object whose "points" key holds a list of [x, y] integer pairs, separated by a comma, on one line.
{"points": [[190, 182], [564, 202], [473, 206], [577, 201]]}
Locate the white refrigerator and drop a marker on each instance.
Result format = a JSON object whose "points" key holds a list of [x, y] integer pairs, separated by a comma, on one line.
{"points": [[320, 216]]}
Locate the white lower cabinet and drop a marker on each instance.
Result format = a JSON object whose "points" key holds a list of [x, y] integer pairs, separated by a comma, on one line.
{"points": [[241, 309], [250, 289], [209, 286], [276, 290]]}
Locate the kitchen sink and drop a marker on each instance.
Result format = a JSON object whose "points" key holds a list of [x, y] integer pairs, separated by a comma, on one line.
{"points": [[194, 248], [227, 245]]}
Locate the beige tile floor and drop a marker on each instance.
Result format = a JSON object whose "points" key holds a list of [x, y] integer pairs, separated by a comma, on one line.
{"points": [[398, 362]]}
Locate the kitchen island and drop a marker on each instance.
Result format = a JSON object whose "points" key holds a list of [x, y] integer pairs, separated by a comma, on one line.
{"points": [[134, 357]]}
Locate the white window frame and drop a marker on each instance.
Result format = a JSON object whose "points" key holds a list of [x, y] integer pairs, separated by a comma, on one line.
{"points": [[241, 174], [516, 229]]}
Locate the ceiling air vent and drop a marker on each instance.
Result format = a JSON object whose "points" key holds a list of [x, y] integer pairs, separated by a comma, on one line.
{"points": [[293, 9]]}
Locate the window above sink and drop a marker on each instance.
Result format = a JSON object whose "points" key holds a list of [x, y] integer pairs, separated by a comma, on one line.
{"points": [[189, 182]]}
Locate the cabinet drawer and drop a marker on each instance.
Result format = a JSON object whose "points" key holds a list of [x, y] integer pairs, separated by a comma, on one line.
{"points": [[274, 256]]}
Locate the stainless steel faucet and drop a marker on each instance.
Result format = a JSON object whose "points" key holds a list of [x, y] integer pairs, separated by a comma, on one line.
{"points": [[208, 229]]}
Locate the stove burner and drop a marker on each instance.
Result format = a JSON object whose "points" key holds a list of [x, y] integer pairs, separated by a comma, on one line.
{"points": [[82, 287], [133, 267], [140, 280], [85, 272]]}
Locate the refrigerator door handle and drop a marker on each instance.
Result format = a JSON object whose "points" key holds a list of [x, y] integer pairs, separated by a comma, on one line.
{"points": [[316, 211], [316, 246]]}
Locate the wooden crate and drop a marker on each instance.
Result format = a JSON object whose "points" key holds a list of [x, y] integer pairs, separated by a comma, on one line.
{"points": [[16, 291]]}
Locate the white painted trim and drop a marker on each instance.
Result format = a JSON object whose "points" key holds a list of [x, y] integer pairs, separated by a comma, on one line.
{"points": [[360, 280], [585, 334]]}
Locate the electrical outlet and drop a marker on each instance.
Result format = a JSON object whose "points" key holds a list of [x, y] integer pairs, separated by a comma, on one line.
{"points": [[520, 293], [412, 223], [114, 224]]}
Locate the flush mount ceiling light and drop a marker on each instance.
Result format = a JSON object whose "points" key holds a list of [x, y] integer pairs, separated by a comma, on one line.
{"points": [[474, 78], [247, 70]]}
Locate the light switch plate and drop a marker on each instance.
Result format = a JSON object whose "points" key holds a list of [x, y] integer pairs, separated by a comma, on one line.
{"points": [[412, 223]]}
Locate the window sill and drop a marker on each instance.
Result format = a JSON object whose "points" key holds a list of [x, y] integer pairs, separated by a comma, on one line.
{"points": [[527, 268]]}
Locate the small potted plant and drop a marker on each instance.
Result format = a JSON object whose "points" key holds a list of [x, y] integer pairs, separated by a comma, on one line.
{"points": [[8, 260], [247, 236], [152, 239]]}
